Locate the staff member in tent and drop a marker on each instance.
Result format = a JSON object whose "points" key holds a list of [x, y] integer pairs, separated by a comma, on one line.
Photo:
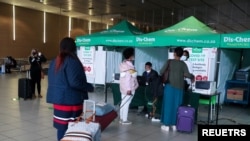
{"points": [[185, 58]]}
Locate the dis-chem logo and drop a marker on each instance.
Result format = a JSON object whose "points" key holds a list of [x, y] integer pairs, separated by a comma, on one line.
{"points": [[236, 39], [145, 40], [83, 40]]}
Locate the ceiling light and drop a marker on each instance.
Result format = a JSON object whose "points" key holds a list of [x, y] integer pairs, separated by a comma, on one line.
{"points": [[142, 1]]}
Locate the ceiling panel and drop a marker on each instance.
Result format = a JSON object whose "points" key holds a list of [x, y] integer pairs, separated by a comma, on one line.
{"points": [[222, 15]]}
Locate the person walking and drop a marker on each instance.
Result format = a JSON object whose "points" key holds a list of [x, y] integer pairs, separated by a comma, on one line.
{"points": [[36, 59], [128, 84], [174, 89], [67, 86]]}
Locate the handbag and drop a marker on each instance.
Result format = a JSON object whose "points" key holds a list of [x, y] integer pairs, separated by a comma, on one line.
{"points": [[84, 128], [82, 131], [186, 85], [165, 76], [77, 132]]}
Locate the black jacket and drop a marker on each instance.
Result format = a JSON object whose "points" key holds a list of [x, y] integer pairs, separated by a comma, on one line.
{"points": [[151, 76], [151, 79], [36, 66]]}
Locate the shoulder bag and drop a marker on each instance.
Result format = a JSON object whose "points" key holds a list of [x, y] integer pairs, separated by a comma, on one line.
{"points": [[165, 75], [84, 128]]}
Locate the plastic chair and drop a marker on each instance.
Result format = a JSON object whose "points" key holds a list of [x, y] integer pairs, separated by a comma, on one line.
{"points": [[205, 101]]}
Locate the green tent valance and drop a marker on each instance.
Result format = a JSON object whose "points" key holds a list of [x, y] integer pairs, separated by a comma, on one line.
{"points": [[122, 34], [189, 32]]}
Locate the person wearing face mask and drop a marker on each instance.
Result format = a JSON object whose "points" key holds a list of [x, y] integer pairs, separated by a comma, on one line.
{"points": [[185, 58], [128, 84], [150, 76], [36, 59]]}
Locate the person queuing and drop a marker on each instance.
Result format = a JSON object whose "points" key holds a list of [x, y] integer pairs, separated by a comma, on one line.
{"points": [[36, 59], [174, 89], [67, 86], [128, 83]]}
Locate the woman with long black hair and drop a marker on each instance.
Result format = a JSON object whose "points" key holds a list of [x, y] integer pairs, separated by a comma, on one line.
{"points": [[67, 86]]}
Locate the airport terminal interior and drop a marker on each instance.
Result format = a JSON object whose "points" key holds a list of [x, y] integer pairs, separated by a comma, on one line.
{"points": [[31, 120], [41, 24]]}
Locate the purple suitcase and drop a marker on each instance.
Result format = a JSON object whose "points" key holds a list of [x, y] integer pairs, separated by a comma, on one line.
{"points": [[185, 119]]}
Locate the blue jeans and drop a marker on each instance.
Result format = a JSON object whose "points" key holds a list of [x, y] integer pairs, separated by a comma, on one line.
{"points": [[60, 134]]}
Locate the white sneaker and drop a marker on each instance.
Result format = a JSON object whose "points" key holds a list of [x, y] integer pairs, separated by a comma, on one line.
{"points": [[165, 128], [173, 128], [126, 122], [146, 115], [155, 120], [120, 121]]}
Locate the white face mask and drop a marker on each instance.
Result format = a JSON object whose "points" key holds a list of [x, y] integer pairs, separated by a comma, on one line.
{"points": [[183, 58], [148, 71]]}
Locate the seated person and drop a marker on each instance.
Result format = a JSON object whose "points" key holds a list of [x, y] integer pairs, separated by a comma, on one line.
{"points": [[150, 76], [10, 63]]}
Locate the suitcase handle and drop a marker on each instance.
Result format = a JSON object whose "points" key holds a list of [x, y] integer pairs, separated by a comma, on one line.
{"points": [[88, 120]]}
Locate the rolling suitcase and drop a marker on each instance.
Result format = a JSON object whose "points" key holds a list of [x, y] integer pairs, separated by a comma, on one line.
{"points": [[185, 119], [24, 88], [105, 114], [106, 119]]}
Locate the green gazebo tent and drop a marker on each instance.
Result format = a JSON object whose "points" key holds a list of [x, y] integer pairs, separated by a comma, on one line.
{"points": [[189, 32], [121, 34]]}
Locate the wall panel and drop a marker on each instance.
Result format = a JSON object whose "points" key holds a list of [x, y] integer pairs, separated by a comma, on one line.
{"points": [[29, 31]]}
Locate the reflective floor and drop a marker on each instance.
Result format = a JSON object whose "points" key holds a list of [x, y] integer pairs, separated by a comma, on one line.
{"points": [[31, 120]]}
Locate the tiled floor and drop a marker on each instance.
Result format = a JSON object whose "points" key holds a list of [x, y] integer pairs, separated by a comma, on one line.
{"points": [[31, 120]]}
